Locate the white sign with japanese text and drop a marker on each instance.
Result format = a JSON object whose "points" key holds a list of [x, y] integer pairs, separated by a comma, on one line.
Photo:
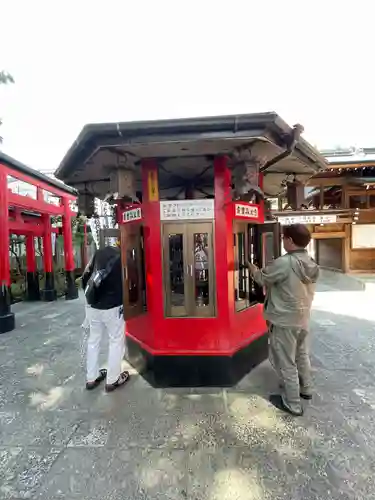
{"points": [[187, 209], [132, 215], [242, 210], [307, 219]]}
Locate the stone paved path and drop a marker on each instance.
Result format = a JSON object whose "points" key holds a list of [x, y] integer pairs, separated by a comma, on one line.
{"points": [[59, 442]]}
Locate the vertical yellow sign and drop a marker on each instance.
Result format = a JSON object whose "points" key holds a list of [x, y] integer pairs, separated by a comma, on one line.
{"points": [[153, 187]]}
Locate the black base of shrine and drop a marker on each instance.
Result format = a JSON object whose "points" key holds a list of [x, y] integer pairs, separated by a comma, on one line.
{"points": [[7, 318], [197, 371], [71, 291], [32, 286], [49, 293]]}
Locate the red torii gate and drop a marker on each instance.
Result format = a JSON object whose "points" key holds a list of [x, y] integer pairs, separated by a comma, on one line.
{"points": [[30, 215]]}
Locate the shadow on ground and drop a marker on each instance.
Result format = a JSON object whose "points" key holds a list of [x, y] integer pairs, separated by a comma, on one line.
{"points": [[58, 441]]}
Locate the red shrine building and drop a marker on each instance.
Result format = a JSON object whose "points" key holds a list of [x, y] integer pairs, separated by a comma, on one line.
{"points": [[28, 201], [190, 214]]}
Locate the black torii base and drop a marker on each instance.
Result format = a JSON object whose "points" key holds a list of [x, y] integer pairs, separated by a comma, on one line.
{"points": [[7, 318], [32, 286], [71, 291], [49, 293]]}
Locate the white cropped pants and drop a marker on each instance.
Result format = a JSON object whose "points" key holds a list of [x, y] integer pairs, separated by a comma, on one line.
{"points": [[110, 322]]}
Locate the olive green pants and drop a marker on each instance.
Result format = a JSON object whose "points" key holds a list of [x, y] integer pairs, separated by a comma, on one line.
{"points": [[289, 356]]}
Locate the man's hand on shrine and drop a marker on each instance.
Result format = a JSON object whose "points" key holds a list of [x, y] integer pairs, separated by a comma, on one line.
{"points": [[252, 267]]}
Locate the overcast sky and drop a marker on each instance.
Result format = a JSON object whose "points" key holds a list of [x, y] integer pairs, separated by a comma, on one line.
{"points": [[80, 61]]}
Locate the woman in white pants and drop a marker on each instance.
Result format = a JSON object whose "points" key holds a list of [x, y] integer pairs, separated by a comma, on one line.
{"points": [[106, 317]]}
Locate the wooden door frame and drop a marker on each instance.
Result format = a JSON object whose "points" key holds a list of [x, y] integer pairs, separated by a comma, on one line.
{"points": [[196, 228], [167, 228], [240, 227], [128, 232]]}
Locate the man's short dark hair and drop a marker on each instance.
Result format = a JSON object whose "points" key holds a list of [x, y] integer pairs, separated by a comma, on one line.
{"points": [[298, 233]]}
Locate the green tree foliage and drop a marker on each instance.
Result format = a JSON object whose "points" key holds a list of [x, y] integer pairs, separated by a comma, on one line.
{"points": [[5, 78], [78, 234]]}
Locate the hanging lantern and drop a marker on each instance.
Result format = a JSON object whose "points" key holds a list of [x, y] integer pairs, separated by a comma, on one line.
{"points": [[122, 185]]}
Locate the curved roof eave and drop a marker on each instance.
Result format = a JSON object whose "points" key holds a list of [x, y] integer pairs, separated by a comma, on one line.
{"points": [[86, 142]]}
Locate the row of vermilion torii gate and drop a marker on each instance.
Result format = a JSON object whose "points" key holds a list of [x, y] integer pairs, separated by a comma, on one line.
{"points": [[30, 215]]}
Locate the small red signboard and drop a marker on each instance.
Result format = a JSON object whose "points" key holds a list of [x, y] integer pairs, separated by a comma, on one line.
{"points": [[248, 211], [130, 214]]}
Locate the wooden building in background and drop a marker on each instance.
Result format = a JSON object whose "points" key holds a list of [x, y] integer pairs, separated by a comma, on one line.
{"points": [[339, 208]]}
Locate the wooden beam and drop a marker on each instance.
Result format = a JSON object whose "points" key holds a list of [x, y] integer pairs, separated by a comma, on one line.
{"points": [[334, 211], [328, 235], [321, 197], [328, 181], [360, 192], [344, 221]]}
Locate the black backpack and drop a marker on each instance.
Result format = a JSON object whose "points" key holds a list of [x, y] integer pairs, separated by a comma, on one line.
{"points": [[95, 281]]}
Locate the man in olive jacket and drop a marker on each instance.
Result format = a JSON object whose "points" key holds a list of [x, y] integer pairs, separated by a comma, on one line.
{"points": [[290, 286]]}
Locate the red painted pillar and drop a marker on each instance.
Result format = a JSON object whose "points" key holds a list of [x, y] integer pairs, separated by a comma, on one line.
{"points": [[153, 247], [32, 278], [224, 254], [71, 291], [48, 293], [7, 321]]}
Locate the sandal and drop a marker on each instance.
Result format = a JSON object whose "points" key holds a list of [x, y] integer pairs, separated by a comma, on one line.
{"points": [[123, 378], [92, 385]]}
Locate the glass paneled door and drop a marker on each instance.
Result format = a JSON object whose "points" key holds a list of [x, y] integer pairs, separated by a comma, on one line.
{"points": [[202, 272], [188, 270], [175, 269], [134, 289], [265, 240]]}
